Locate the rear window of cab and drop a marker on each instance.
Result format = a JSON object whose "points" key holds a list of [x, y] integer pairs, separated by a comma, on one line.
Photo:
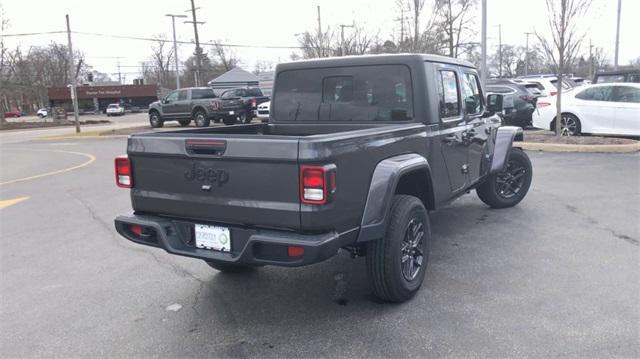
{"points": [[349, 93]]}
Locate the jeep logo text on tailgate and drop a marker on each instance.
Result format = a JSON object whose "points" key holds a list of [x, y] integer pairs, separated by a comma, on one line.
{"points": [[204, 174]]}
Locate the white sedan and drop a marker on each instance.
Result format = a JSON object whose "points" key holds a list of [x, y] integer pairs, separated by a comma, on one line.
{"points": [[608, 109], [115, 109]]}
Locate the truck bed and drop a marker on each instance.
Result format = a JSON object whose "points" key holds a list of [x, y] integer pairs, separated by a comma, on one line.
{"points": [[248, 175]]}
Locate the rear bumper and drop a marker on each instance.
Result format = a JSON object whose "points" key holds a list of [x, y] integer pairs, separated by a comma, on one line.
{"points": [[249, 246]]}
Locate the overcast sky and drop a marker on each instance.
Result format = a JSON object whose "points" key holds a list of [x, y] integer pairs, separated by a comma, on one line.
{"points": [[275, 23]]}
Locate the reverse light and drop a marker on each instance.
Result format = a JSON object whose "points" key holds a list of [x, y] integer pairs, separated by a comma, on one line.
{"points": [[317, 183], [124, 176]]}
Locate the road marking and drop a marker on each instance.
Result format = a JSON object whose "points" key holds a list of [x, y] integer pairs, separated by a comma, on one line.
{"points": [[10, 202], [91, 159]]}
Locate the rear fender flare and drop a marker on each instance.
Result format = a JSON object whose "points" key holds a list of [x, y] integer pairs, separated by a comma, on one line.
{"points": [[504, 141], [383, 185]]}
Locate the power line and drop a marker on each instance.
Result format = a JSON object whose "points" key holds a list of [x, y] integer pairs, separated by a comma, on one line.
{"points": [[141, 38]]}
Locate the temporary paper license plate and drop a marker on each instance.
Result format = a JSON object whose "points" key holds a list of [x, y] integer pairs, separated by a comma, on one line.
{"points": [[213, 237]]}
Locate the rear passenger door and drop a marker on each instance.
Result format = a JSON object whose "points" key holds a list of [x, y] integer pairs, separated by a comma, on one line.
{"points": [[478, 130], [452, 126], [183, 105], [627, 99]]}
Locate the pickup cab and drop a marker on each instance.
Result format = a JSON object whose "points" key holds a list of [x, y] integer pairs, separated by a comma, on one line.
{"points": [[356, 153], [240, 103], [184, 105]]}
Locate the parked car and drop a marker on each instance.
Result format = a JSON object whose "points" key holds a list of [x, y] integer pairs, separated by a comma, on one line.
{"points": [[548, 83], [356, 152], [518, 103], [115, 109], [240, 104], [629, 75], [42, 113], [9, 114], [183, 105], [609, 109], [263, 111]]}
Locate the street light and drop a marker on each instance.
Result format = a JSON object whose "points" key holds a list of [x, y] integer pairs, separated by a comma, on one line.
{"points": [[175, 46]]}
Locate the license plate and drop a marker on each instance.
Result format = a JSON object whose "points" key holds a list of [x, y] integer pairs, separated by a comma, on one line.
{"points": [[232, 113], [213, 237]]}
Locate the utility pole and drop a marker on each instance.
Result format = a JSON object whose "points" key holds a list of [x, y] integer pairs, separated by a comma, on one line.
{"points": [[526, 54], [500, 50], [615, 61], [342, 47], [401, 19], [483, 75], [320, 34], [198, 52], [119, 73], [72, 77], [175, 47], [591, 66]]}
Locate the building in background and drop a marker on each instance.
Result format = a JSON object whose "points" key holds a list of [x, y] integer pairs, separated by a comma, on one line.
{"points": [[233, 78], [266, 82], [97, 98]]}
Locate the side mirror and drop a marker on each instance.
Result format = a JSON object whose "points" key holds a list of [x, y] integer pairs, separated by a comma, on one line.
{"points": [[495, 103], [164, 101]]}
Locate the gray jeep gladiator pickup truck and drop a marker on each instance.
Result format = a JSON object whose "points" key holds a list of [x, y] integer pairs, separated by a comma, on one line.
{"points": [[183, 105], [356, 153]]}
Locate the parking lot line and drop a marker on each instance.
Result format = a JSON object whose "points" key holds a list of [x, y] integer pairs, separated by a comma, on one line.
{"points": [[10, 202], [91, 159]]}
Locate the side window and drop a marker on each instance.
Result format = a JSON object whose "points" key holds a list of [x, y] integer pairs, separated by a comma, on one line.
{"points": [[471, 94], [634, 78], [182, 95], [448, 93], [337, 89], [601, 93], [172, 97], [627, 94], [227, 94]]}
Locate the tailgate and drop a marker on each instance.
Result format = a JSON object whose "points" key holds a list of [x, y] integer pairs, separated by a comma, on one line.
{"points": [[232, 104], [251, 180]]}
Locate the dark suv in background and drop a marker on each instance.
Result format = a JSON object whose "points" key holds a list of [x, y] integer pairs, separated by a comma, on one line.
{"points": [[519, 102]]}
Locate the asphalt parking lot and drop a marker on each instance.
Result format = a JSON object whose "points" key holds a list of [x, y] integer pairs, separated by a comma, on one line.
{"points": [[558, 275]]}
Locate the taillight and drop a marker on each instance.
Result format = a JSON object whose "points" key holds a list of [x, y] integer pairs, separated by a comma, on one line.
{"points": [[124, 177], [254, 103], [317, 183], [543, 104], [215, 104]]}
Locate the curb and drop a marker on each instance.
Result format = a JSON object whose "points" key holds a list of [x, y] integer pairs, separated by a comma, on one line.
{"points": [[92, 137], [562, 147]]}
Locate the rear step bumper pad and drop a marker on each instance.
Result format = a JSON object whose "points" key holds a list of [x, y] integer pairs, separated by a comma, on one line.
{"points": [[249, 246]]}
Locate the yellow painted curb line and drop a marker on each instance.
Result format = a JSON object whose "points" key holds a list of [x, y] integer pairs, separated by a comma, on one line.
{"points": [[10, 202], [91, 158], [563, 147]]}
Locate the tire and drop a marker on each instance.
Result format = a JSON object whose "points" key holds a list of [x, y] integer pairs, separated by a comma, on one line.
{"points": [[229, 120], [396, 268], [229, 268], [216, 119], [184, 123], [155, 120], [200, 119], [40, 116], [509, 187], [569, 126]]}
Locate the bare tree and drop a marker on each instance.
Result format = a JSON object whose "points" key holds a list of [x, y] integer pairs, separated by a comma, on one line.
{"points": [[565, 42], [263, 66], [360, 41], [454, 19], [318, 44], [4, 25], [158, 68], [224, 56]]}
